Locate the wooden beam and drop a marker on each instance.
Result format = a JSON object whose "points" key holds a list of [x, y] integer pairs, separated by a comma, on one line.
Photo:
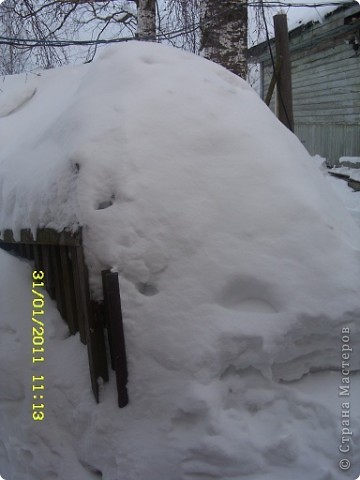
{"points": [[56, 267], [80, 314], [38, 260], [354, 184], [284, 88], [22, 251], [273, 82], [115, 324], [94, 332], [29, 251], [69, 295], [45, 255]]}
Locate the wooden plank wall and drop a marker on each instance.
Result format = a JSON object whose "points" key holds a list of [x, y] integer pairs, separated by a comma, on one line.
{"points": [[61, 257], [326, 87]]}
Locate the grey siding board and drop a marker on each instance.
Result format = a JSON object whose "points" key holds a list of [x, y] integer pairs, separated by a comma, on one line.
{"points": [[332, 54], [348, 61], [330, 141], [344, 78]]}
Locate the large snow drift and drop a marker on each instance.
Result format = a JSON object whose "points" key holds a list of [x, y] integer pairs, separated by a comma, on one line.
{"points": [[238, 267]]}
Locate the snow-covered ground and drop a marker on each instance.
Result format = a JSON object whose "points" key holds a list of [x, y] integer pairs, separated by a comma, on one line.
{"points": [[350, 198], [239, 269]]}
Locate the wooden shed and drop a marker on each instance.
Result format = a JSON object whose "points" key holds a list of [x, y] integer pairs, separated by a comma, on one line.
{"points": [[325, 63]]}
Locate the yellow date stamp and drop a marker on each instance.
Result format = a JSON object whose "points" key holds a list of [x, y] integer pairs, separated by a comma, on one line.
{"points": [[38, 344]]}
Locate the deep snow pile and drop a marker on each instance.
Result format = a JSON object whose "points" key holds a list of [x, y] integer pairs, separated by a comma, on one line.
{"points": [[238, 268], [348, 196]]}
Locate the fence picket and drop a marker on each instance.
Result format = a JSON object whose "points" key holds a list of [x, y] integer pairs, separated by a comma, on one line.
{"points": [[115, 327], [68, 289]]}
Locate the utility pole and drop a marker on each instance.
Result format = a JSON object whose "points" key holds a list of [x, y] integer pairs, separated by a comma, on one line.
{"points": [[283, 80]]}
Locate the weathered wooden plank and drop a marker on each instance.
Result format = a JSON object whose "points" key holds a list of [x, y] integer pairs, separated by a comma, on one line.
{"points": [[327, 110], [342, 87], [69, 295], [38, 261], [337, 116], [29, 252], [325, 59], [94, 332], [309, 61], [58, 280], [80, 313], [273, 81], [337, 99], [108, 325], [345, 115], [115, 323], [347, 67], [339, 85], [45, 255], [324, 93], [342, 176], [22, 250], [328, 117], [354, 184], [45, 236]]}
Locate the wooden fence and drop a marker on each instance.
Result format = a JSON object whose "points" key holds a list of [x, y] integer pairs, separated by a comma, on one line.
{"points": [[61, 257]]}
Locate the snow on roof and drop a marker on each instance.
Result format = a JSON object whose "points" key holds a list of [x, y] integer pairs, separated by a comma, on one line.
{"points": [[302, 15], [298, 15], [234, 254]]}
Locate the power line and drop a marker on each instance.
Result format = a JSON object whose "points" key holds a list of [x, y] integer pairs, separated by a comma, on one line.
{"points": [[36, 42], [272, 4]]}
